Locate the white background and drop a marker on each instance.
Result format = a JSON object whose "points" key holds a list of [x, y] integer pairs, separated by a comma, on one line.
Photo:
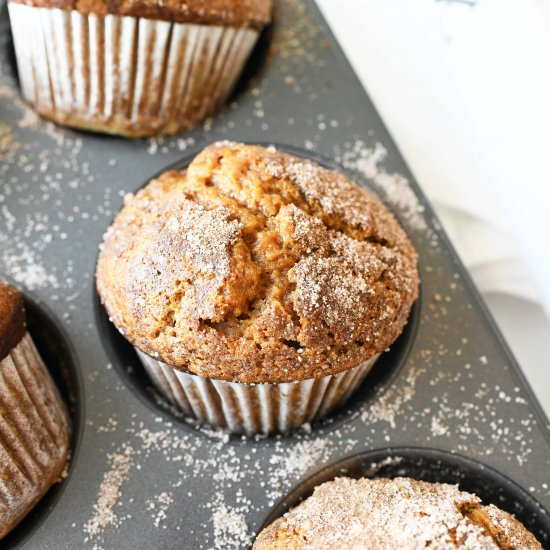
{"points": [[464, 88]]}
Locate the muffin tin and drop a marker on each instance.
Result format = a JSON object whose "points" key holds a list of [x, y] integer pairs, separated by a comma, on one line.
{"points": [[141, 476]]}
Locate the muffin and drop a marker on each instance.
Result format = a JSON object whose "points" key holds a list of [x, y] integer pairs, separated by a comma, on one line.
{"points": [[259, 288], [394, 513], [137, 68], [34, 427]]}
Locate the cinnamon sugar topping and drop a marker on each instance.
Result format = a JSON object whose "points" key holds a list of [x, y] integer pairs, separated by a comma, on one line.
{"points": [[334, 192], [398, 513], [327, 289]]}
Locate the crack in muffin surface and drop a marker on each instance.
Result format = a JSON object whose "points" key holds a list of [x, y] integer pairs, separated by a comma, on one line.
{"points": [[256, 266]]}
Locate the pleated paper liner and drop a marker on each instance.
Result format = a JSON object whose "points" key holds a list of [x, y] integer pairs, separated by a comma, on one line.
{"points": [[54, 350], [254, 409], [34, 433], [121, 74]]}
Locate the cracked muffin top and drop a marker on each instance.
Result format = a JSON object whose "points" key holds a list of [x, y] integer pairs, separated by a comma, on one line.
{"points": [[12, 318], [394, 513], [256, 266]]}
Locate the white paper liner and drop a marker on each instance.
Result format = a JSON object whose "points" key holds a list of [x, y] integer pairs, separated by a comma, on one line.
{"points": [[34, 433], [125, 74], [253, 409]]}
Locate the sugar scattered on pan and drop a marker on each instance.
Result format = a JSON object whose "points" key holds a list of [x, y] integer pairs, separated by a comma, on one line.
{"points": [[393, 187], [159, 506], [110, 492], [8, 142], [389, 404], [231, 530]]}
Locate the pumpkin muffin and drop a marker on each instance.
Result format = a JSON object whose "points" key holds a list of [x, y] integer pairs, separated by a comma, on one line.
{"points": [[394, 513], [34, 427], [258, 287], [137, 68]]}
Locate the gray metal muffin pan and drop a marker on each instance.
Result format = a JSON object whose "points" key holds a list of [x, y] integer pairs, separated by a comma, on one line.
{"points": [[141, 478]]}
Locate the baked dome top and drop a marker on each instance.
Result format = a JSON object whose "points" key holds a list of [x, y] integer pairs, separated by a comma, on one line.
{"points": [[12, 318], [231, 13], [256, 266], [398, 513]]}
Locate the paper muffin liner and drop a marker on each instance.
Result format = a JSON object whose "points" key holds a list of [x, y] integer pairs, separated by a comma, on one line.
{"points": [[258, 408], [34, 433], [123, 74]]}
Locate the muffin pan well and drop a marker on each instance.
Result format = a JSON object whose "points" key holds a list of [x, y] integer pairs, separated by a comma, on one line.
{"points": [[126, 361], [437, 467], [61, 362], [140, 478]]}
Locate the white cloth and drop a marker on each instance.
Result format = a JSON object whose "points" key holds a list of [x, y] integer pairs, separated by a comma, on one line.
{"points": [[464, 88]]}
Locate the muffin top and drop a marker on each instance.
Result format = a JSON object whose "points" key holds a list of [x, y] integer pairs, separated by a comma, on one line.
{"points": [[398, 513], [256, 266], [232, 13], [12, 319]]}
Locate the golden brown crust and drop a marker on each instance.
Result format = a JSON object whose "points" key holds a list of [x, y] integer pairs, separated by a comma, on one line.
{"points": [[232, 13], [398, 513], [12, 318], [256, 266]]}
